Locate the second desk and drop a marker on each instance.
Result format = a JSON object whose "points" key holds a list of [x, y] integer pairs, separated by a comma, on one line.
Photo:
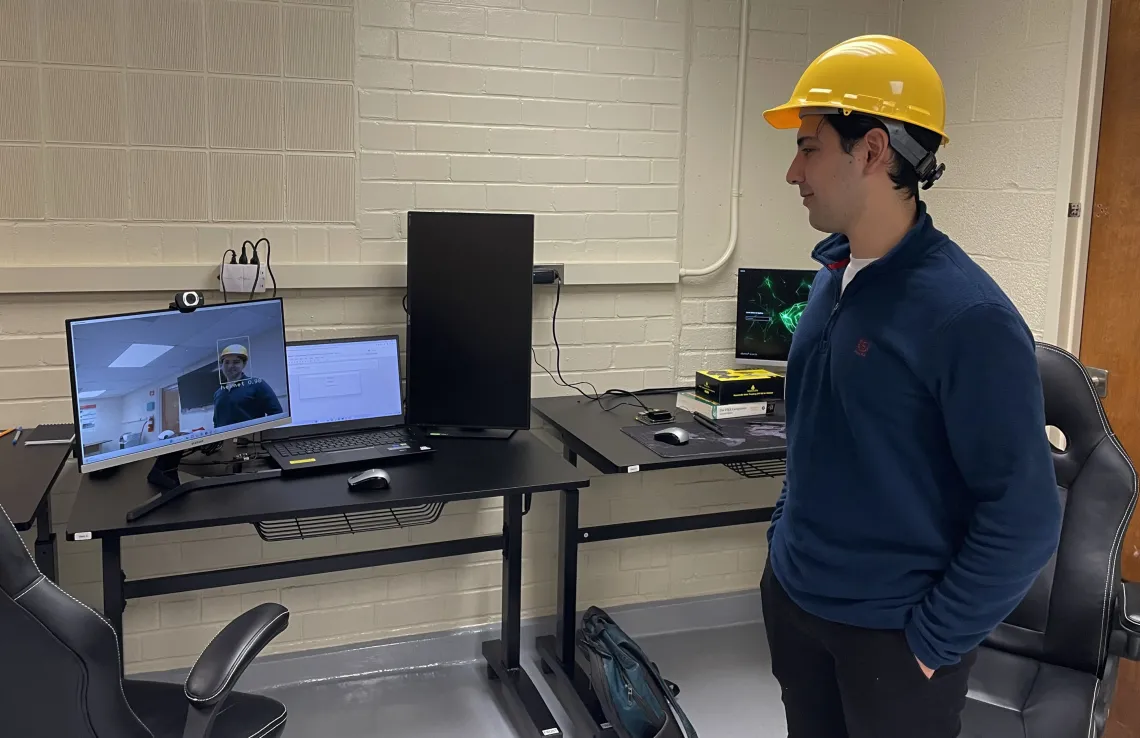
{"points": [[592, 429]]}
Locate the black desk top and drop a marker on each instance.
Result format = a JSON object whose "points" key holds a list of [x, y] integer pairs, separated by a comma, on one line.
{"points": [[460, 469], [596, 434], [26, 475]]}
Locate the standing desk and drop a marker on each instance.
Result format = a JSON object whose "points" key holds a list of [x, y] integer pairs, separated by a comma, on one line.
{"points": [[592, 429], [27, 474], [320, 504]]}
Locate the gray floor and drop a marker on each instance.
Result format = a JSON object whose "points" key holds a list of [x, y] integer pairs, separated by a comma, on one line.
{"points": [[726, 689]]}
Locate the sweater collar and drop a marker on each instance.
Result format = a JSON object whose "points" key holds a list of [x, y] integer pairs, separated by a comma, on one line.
{"points": [[834, 252]]}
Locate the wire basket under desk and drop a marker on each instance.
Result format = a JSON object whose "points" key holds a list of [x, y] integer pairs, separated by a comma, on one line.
{"points": [[361, 522], [765, 469]]}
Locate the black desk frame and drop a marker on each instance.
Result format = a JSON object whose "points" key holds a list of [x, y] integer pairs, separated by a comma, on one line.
{"points": [[31, 472], [522, 700], [526, 705], [45, 539], [559, 655]]}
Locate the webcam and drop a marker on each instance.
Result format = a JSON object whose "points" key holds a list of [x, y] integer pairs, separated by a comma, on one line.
{"points": [[187, 302]]}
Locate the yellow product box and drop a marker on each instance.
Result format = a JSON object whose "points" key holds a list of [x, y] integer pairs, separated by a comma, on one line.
{"points": [[729, 386]]}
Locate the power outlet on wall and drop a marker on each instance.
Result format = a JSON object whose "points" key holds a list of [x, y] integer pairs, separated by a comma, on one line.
{"points": [[240, 277], [543, 272]]}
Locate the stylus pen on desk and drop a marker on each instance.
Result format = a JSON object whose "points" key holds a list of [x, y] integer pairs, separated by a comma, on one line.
{"points": [[16, 438], [710, 424]]}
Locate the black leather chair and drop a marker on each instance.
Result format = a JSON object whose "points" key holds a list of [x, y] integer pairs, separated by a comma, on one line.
{"points": [[1049, 670], [60, 673]]}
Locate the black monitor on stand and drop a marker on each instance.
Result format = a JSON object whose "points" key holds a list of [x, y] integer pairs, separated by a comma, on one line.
{"points": [[160, 384], [470, 293]]}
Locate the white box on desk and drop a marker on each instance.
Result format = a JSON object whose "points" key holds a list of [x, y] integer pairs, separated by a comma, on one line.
{"points": [[713, 411]]}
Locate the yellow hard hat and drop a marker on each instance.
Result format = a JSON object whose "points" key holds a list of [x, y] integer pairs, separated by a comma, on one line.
{"points": [[878, 75], [235, 349]]}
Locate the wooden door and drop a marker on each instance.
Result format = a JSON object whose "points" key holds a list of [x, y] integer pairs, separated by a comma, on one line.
{"points": [[1110, 328], [170, 409]]}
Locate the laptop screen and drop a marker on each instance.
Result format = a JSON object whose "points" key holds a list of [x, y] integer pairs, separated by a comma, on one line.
{"points": [[344, 380]]}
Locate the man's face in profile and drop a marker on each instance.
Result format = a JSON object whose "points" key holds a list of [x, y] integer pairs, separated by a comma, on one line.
{"points": [[232, 368]]}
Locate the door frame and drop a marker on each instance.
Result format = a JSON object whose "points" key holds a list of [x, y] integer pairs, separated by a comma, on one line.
{"points": [[1076, 175]]}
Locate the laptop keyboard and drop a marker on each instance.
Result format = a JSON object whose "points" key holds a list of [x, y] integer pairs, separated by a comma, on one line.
{"points": [[312, 446]]}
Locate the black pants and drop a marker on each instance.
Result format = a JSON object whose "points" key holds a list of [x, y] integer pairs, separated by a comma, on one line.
{"points": [[839, 681]]}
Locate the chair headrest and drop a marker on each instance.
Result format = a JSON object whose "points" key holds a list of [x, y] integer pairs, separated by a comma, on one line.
{"points": [[17, 568], [1073, 407]]}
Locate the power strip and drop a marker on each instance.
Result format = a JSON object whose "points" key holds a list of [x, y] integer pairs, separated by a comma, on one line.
{"points": [[239, 277]]}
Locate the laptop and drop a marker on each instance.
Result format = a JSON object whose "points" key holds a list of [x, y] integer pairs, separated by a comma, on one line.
{"points": [[347, 406]]}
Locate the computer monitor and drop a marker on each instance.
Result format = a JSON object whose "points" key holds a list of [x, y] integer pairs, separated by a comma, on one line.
{"points": [[769, 303], [156, 384], [470, 285], [343, 384]]}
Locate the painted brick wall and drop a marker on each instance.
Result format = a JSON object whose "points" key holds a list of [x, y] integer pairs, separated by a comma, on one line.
{"points": [[567, 110], [1006, 92], [1003, 65], [612, 122], [570, 110]]}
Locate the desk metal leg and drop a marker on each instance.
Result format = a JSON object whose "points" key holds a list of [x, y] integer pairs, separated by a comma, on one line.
{"points": [[559, 653], [114, 601], [512, 580], [567, 607], [524, 702], [45, 541]]}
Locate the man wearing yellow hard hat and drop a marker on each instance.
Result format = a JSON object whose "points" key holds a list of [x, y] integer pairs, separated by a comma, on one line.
{"points": [[240, 397], [920, 500]]}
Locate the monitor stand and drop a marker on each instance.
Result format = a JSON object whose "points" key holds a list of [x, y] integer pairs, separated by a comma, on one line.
{"points": [[164, 475], [450, 432]]}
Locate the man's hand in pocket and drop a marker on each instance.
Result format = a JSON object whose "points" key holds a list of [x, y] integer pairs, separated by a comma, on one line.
{"points": [[925, 670]]}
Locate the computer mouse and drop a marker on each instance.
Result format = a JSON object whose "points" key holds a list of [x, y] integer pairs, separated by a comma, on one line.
{"points": [[672, 436], [369, 480]]}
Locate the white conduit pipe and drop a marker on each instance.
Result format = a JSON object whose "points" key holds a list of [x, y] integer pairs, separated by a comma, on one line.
{"points": [[737, 154]]}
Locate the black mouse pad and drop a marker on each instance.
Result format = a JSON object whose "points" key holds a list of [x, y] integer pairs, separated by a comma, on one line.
{"points": [[739, 435]]}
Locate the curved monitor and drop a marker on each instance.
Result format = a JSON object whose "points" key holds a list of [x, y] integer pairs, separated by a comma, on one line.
{"points": [[152, 383], [769, 303]]}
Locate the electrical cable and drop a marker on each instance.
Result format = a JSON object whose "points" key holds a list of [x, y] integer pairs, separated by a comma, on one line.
{"points": [[560, 380], [222, 271], [596, 396], [268, 262], [254, 260]]}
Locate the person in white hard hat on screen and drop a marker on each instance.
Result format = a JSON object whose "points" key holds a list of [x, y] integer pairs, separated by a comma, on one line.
{"points": [[241, 398]]}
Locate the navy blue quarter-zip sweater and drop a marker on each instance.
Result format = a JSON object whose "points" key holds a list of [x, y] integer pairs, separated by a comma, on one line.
{"points": [[920, 493]]}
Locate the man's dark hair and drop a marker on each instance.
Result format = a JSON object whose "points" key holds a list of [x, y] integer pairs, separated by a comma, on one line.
{"points": [[852, 128]]}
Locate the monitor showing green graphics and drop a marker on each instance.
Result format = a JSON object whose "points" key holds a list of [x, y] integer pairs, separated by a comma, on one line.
{"points": [[769, 303]]}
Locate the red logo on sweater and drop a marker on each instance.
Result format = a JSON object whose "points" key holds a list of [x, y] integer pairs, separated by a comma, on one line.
{"points": [[862, 347]]}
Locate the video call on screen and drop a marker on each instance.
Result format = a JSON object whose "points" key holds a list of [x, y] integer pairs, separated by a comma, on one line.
{"points": [[153, 379]]}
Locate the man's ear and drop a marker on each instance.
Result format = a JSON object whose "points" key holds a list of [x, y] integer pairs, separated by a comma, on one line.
{"points": [[878, 148]]}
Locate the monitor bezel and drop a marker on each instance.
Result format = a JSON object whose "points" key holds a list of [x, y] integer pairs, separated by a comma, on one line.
{"points": [[780, 364], [382, 421], [182, 446]]}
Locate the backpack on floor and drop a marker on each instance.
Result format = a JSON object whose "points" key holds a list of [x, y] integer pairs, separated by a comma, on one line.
{"points": [[634, 697]]}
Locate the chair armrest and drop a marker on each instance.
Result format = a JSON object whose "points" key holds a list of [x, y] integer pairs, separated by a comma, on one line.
{"points": [[231, 651], [1125, 639]]}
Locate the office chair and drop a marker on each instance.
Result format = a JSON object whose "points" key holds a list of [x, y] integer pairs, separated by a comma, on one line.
{"points": [[60, 668], [1049, 670]]}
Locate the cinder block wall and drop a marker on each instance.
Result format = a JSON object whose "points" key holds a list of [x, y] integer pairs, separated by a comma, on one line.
{"points": [[142, 133]]}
